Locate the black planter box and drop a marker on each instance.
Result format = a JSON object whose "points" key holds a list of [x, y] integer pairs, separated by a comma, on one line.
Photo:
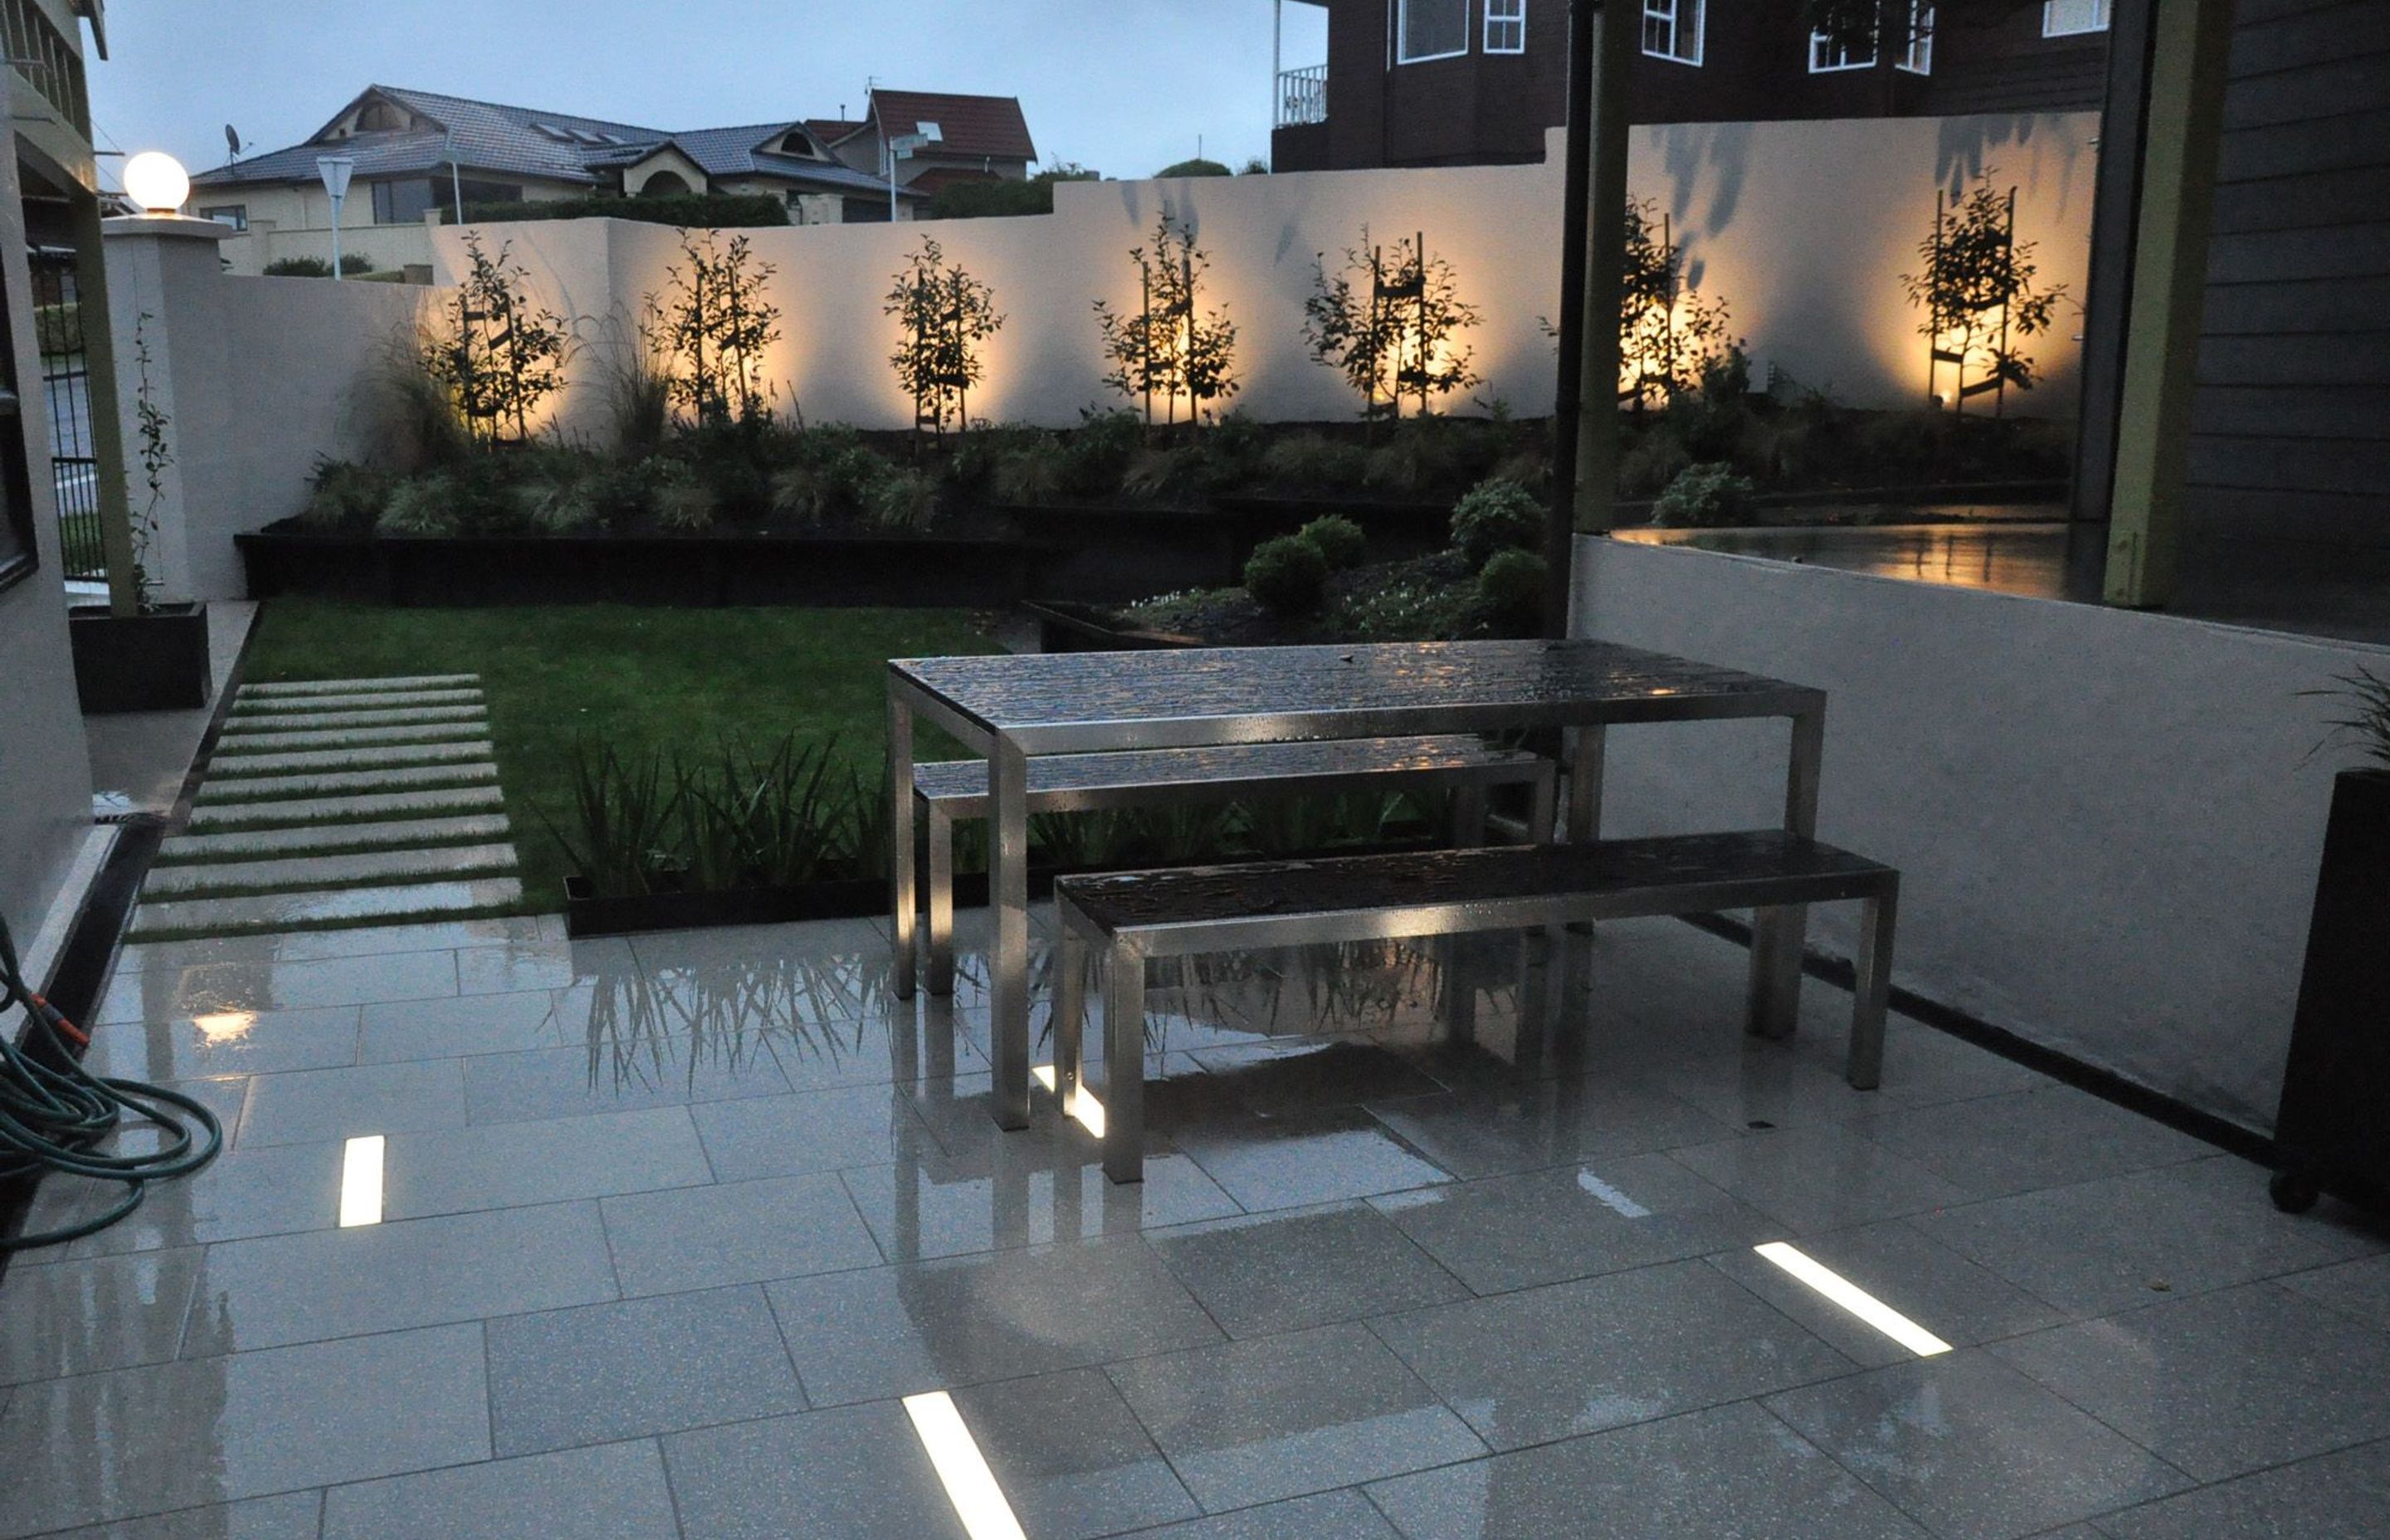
{"points": [[586, 916], [152, 662], [2333, 1127]]}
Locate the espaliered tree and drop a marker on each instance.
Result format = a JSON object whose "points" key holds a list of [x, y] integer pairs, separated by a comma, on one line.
{"points": [[1170, 346], [1976, 288], [1390, 322], [499, 353], [715, 327], [1667, 335], [946, 314]]}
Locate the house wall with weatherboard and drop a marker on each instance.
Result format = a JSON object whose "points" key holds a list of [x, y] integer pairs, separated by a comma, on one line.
{"points": [[1802, 228]]}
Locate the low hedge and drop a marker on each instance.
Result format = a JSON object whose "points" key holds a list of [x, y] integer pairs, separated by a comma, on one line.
{"points": [[696, 212]]}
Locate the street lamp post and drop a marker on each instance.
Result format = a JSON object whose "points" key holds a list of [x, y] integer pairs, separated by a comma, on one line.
{"points": [[335, 171], [901, 147]]}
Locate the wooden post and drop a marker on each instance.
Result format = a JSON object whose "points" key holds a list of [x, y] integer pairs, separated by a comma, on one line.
{"points": [[2187, 74]]}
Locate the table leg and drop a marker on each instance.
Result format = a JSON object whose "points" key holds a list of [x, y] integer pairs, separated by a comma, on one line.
{"points": [[940, 827], [1007, 881], [900, 844], [1781, 936], [1586, 750]]}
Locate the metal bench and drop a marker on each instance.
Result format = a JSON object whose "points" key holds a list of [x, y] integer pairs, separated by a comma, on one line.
{"points": [[1131, 918], [950, 790]]}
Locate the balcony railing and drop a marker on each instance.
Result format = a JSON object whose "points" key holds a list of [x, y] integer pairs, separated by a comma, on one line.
{"points": [[1302, 96]]}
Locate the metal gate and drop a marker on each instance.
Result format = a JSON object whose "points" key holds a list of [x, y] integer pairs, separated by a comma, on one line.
{"points": [[74, 472]]}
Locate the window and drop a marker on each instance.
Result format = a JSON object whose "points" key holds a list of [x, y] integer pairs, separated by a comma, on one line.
{"points": [[1506, 26], [1429, 29], [1672, 29], [1916, 54], [1827, 53], [403, 202], [234, 214], [2069, 17], [382, 117]]}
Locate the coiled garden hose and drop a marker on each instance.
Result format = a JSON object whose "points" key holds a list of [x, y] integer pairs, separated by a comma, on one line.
{"points": [[53, 1114]]}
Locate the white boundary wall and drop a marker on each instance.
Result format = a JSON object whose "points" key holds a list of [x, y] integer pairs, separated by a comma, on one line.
{"points": [[1803, 228], [2106, 822]]}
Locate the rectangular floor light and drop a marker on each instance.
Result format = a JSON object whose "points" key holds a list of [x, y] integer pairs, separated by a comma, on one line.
{"points": [[1851, 1297], [361, 1181], [969, 1484], [1085, 1108]]}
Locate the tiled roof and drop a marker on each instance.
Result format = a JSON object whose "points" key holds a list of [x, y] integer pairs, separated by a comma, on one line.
{"points": [[971, 125], [830, 131], [741, 152]]}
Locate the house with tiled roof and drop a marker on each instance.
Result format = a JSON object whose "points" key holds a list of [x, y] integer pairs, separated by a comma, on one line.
{"points": [[419, 154], [967, 139]]}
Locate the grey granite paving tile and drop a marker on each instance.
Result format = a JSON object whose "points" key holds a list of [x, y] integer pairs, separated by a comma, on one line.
{"points": [[514, 1165], [2360, 1289], [1025, 1190], [225, 1043], [1298, 1074], [495, 971], [2022, 1140], [1581, 1357], [2344, 1495], [1344, 1515], [211, 989], [1728, 1471], [1300, 1267], [59, 1317], [247, 705], [1923, 1066], [400, 833], [1973, 1448], [408, 1031], [809, 1131], [1547, 1226], [1763, 1083], [1491, 1132], [2107, 1245], [2224, 1383], [243, 726], [301, 739], [274, 1190], [1282, 1417], [1073, 1460], [741, 1232], [607, 1075], [290, 1516], [328, 906], [1304, 1159], [302, 808], [853, 1474], [312, 1106], [617, 1492], [217, 1429], [1954, 1298], [1822, 1177], [518, 931], [891, 1331], [273, 690], [564, 1378], [280, 1290]]}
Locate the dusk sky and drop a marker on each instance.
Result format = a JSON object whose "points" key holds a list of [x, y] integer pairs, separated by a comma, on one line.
{"points": [[1123, 86]]}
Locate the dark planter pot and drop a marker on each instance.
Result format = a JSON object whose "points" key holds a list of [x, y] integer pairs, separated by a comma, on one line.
{"points": [[2333, 1127], [1066, 627], [152, 662], [1106, 554]]}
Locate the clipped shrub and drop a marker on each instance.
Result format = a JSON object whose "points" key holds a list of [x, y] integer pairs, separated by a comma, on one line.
{"points": [[1340, 540], [1287, 576], [1496, 516], [1315, 460], [681, 501], [345, 496], [1705, 495], [901, 499], [1510, 592], [1651, 462], [696, 211], [352, 263], [425, 505], [1097, 454]]}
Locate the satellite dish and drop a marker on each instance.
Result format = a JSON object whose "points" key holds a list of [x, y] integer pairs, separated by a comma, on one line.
{"points": [[232, 140]]}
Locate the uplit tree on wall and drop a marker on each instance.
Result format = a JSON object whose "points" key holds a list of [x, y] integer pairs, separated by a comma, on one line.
{"points": [[1170, 346], [945, 313], [1977, 290], [1668, 335], [1390, 323], [715, 327], [497, 353]]}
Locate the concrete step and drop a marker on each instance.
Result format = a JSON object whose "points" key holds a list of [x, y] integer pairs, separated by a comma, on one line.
{"points": [[241, 727], [388, 757], [368, 869], [335, 782], [314, 811], [397, 834], [309, 911], [367, 700], [343, 737], [363, 686]]}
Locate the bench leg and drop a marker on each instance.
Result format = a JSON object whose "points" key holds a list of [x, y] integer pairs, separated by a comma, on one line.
{"points": [[938, 883], [1467, 813], [1871, 989], [1778, 937], [900, 845], [1069, 1013], [1587, 749], [1124, 1063], [1543, 817]]}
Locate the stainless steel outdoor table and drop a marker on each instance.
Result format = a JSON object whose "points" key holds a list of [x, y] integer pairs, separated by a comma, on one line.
{"points": [[1010, 707]]}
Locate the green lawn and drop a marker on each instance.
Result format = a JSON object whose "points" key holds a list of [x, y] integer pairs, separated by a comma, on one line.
{"points": [[639, 679]]}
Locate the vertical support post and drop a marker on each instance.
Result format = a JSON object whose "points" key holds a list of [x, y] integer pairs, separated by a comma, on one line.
{"points": [[1780, 935], [901, 900], [1008, 897], [1124, 1063], [1872, 998], [107, 421], [1593, 233], [1070, 1010], [2186, 111], [939, 827], [1588, 747]]}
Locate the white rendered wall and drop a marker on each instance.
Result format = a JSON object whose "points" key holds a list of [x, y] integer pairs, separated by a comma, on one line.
{"points": [[2106, 822], [1803, 228]]}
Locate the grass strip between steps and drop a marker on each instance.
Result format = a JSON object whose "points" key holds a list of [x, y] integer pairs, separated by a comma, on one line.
{"points": [[408, 757], [168, 934], [317, 885], [234, 796], [356, 847]]}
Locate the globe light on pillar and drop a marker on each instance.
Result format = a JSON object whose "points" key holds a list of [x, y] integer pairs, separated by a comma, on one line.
{"points": [[157, 181]]}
